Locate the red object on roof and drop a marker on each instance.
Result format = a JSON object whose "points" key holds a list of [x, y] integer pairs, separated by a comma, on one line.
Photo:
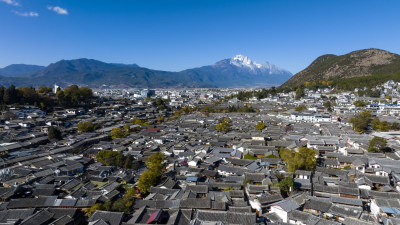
{"points": [[152, 130], [156, 216]]}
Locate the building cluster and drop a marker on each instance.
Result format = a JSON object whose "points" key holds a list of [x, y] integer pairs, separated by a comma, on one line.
{"points": [[210, 177], [175, 97]]}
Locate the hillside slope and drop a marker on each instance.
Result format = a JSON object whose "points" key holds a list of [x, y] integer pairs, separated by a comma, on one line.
{"points": [[367, 62]]}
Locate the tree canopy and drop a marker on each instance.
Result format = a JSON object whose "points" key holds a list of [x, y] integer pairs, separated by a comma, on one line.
{"points": [[249, 156], [304, 159], [328, 105], [383, 126], [84, 127], [378, 144], [151, 176], [54, 133], [115, 158], [360, 103], [286, 186], [361, 121], [300, 108], [260, 126], [117, 132], [224, 126], [73, 96], [299, 93]]}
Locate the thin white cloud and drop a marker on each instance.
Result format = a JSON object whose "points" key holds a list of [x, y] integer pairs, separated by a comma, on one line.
{"points": [[58, 10], [11, 2], [27, 14]]}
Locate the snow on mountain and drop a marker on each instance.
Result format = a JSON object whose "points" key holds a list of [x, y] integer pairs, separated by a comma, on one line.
{"points": [[245, 62]]}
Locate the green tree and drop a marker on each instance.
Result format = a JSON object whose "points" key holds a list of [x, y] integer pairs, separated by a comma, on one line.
{"points": [[260, 126], [395, 126], [84, 127], [119, 206], [299, 93], [154, 170], [160, 103], [375, 123], [136, 121], [187, 109], [97, 206], [300, 108], [378, 144], [27, 95], [304, 159], [360, 103], [63, 100], [228, 189], [147, 180], [114, 158], [384, 126], [44, 90], [328, 105], [361, 121], [128, 164], [2, 90], [160, 119], [119, 160], [127, 129], [224, 127], [10, 95], [135, 165], [226, 120], [286, 154], [117, 133], [154, 163], [249, 156], [54, 133], [286, 186], [73, 96], [85, 93], [107, 205], [110, 158]]}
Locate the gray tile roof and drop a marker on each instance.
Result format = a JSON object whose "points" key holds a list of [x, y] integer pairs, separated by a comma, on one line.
{"points": [[287, 205], [113, 218]]}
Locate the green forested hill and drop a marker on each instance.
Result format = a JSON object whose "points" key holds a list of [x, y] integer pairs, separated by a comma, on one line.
{"points": [[361, 68]]}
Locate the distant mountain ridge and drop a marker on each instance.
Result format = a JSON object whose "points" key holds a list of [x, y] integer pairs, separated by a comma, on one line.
{"points": [[20, 70], [361, 63], [238, 71]]}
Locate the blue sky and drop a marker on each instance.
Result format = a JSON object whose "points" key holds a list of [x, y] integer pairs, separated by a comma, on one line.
{"points": [[180, 34]]}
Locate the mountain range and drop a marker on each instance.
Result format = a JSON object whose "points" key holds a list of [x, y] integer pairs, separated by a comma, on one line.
{"points": [[370, 64], [238, 71], [20, 70]]}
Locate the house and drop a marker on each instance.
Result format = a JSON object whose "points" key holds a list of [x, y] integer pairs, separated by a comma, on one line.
{"points": [[193, 163], [283, 208], [112, 218], [262, 203], [385, 208], [178, 149], [302, 180], [317, 206]]}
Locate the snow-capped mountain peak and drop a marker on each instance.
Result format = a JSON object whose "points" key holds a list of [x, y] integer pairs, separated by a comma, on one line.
{"points": [[244, 61]]}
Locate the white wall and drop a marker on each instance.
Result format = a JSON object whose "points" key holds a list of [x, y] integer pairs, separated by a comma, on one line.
{"points": [[280, 212]]}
